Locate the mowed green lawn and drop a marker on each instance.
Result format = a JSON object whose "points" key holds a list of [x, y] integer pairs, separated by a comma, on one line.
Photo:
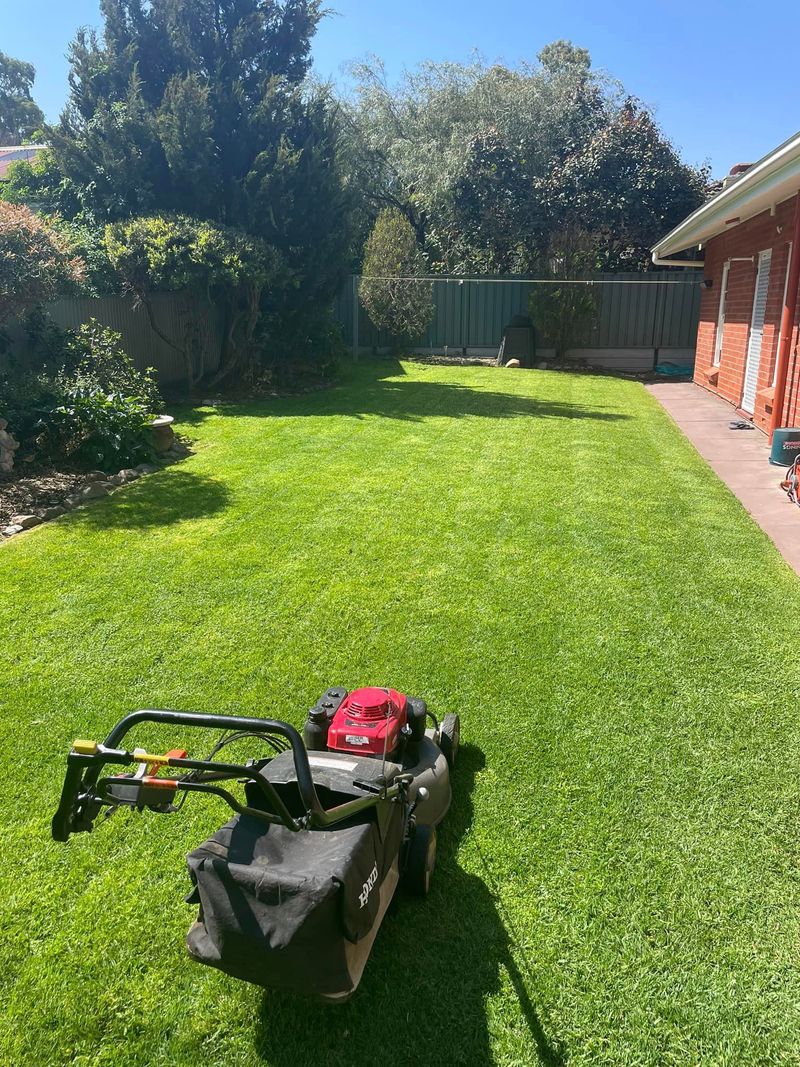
{"points": [[618, 878]]}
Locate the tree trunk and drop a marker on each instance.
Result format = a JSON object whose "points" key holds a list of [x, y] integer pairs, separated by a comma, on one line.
{"points": [[234, 350], [186, 357]]}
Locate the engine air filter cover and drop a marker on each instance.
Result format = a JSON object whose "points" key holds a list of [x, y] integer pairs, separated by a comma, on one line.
{"points": [[369, 721]]}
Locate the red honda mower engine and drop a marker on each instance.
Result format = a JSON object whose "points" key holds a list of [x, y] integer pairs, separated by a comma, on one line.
{"points": [[371, 722]]}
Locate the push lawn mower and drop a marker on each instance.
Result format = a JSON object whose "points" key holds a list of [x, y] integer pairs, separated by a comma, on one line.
{"points": [[292, 890]]}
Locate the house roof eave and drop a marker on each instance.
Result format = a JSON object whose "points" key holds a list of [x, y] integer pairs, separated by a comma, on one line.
{"points": [[771, 181]]}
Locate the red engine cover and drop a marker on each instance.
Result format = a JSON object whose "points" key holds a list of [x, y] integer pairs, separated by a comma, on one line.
{"points": [[368, 721]]}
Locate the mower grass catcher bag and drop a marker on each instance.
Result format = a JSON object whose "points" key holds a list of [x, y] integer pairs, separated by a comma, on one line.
{"points": [[288, 910]]}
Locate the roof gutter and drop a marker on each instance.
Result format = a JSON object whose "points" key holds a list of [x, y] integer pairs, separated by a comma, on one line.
{"points": [[659, 262]]}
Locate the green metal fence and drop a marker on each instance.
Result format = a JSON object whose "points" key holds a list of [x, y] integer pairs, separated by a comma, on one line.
{"points": [[175, 314], [634, 311], [635, 322]]}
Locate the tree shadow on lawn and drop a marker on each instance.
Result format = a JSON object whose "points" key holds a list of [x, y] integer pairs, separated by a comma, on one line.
{"points": [[423, 995], [160, 499], [383, 389]]}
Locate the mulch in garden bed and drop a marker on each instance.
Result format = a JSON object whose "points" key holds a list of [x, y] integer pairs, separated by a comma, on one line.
{"points": [[28, 488]]}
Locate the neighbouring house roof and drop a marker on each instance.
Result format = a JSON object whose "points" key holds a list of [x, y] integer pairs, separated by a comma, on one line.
{"points": [[767, 183], [14, 153]]}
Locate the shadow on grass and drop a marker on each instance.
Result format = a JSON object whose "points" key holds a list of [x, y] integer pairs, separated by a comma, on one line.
{"points": [[157, 500], [383, 389], [423, 995]]}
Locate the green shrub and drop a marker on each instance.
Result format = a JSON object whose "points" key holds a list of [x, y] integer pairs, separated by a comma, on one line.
{"points": [[94, 359], [565, 315], [25, 399], [90, 410], [98, 429], [395, 298]]}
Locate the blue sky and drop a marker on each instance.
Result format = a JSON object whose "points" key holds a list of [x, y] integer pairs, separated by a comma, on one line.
{"points": [[721, 80]]}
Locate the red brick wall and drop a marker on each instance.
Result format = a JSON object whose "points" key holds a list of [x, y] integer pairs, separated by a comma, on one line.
{"points": [[748, 239]]}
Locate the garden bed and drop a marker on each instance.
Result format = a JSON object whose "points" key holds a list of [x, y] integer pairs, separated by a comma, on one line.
{"points": [[28, 490]]}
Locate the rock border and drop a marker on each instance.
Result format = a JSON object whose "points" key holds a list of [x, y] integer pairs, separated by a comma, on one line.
{"points": [[100, 485]]}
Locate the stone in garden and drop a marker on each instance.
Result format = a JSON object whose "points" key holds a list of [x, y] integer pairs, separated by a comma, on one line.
{"points": [[512, 363], [96, 489], [146, 468], [3, 424], [542, 365], [129, 474], [53, 513], [25, 522], [9, 531], [95, 476]]}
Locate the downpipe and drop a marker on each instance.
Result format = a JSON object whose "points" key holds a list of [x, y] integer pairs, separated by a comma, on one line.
{"points": [[787, 327]]}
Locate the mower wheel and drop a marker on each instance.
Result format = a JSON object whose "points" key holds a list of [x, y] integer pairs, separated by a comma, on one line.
{"points": [[420, 860], [450, 737]]}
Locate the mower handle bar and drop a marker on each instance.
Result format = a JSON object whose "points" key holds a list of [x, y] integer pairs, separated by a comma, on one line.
{"points": [[92, 764], [228, 722]]}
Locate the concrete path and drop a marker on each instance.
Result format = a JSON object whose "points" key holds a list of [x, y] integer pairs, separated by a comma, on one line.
{"points": [[739, 457]]}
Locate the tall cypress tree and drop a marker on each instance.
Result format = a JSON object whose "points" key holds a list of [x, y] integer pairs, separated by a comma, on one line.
{"points": [[203, 107]]}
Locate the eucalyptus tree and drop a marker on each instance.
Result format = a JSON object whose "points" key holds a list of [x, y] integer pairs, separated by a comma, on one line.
{"points": [[20, 116], [489, 163]]}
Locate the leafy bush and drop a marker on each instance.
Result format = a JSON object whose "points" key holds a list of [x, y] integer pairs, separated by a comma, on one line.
{"points": [[395, 300], [224, 265], [99, 429], [95, 360], [25, 398], [91, 410], [565, 315], [87, 242], [35, 262], [311, 355]]}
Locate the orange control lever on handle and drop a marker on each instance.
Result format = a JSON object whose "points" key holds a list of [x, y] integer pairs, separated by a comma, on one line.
{"points": [[174, 753]]}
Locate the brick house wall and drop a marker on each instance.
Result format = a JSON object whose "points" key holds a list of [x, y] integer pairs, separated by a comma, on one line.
{"points": [[758, 234]]}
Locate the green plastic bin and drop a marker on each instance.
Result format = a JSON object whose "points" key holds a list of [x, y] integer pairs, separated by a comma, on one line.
{"points": [[785, 446]]}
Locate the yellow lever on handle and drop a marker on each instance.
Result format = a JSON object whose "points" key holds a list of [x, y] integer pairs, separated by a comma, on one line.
{"points": [[85, 748], [141, 756]]}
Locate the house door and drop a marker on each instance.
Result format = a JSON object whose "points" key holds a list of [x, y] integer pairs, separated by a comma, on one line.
{"points": [[756, 333]]}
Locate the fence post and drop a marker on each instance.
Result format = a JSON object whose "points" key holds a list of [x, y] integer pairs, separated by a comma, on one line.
{"points": [[355, 280], [464, 316], [659, 314]]}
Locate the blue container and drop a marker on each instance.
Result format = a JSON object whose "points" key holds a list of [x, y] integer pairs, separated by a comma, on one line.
{"points": [[785, 446]]}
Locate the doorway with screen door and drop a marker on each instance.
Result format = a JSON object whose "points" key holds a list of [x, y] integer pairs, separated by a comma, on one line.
{"points": [[754, 343]]}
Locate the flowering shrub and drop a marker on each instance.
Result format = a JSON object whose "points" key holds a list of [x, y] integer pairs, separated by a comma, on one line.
{"points": [[35, 262]]}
